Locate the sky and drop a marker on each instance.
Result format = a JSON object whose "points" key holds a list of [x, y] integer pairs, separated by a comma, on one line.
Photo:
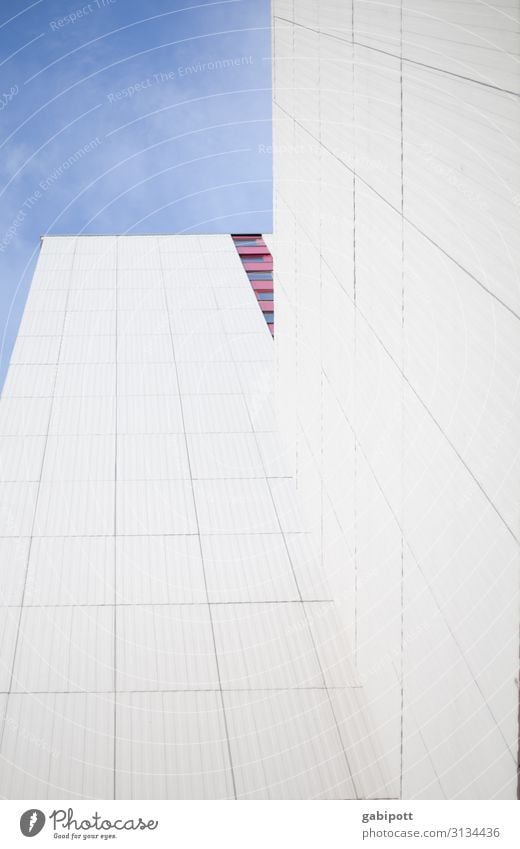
{"points": [[120, 116]]}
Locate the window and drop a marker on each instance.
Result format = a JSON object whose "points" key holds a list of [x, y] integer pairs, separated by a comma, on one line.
{"points": [[260, 275]]}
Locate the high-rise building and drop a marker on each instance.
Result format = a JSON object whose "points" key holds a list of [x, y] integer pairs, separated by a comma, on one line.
{"points": [[397, 186], [165, 629]]}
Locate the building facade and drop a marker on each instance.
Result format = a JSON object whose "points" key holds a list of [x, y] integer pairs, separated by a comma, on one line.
{"points": [[165, 629], [396, 153]]}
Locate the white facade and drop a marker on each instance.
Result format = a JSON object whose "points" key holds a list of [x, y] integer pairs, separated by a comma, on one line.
{"points": [[396, 249], [165, 629]]}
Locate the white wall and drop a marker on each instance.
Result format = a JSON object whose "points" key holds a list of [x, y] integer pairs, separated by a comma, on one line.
{"points": [[397, 195]]}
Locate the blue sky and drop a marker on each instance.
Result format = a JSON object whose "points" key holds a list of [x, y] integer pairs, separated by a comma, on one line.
{"points": [[121, 116]]}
